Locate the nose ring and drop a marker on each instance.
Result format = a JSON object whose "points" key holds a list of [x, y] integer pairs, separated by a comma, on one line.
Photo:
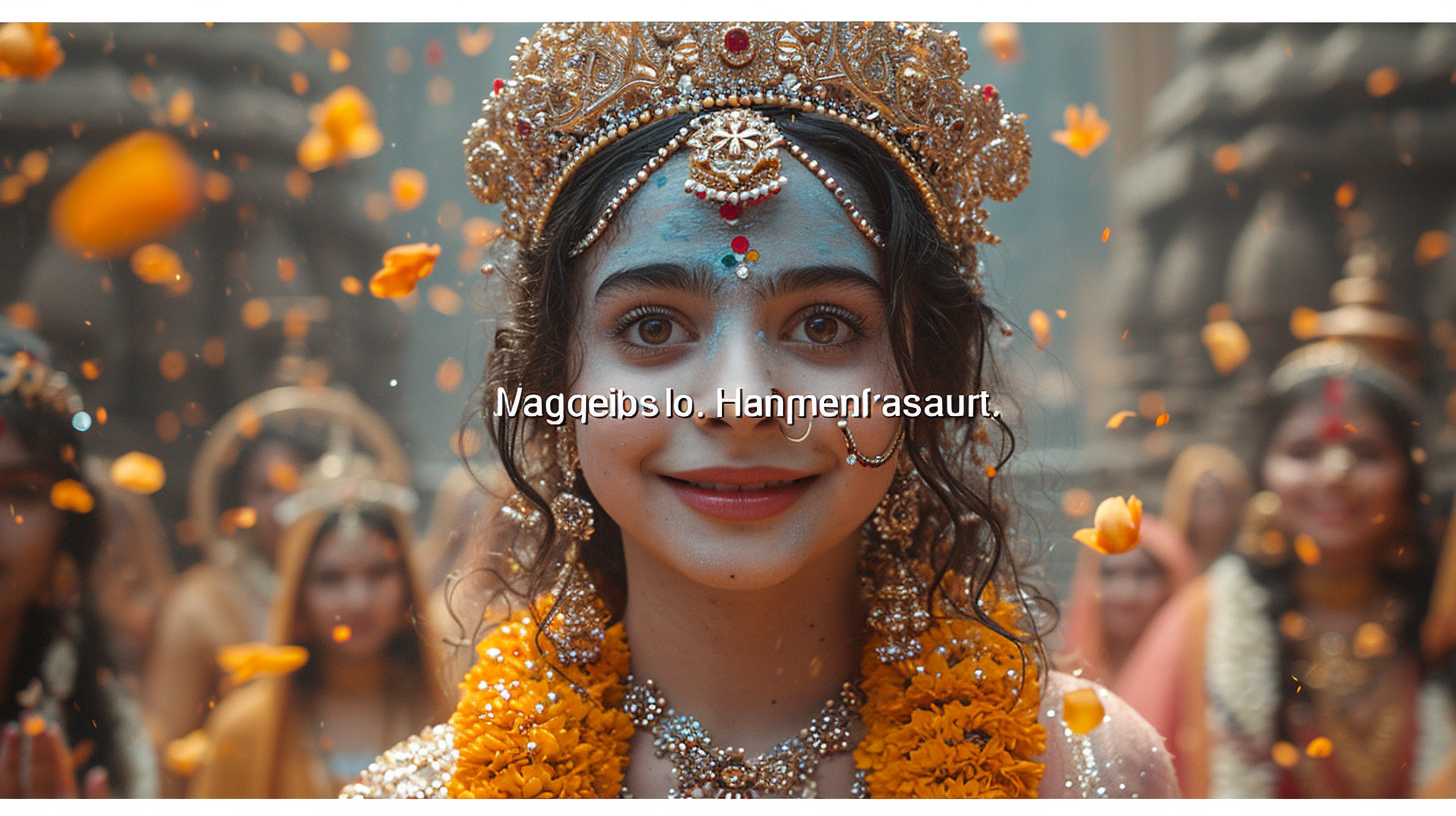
{"points": [[807, 430], [854, 457]]}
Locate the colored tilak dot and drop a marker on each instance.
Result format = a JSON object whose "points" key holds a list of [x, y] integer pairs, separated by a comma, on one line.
{"points": [[740, 245]]}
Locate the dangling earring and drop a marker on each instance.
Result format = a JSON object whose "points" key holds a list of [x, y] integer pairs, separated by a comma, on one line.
{"points": [[898, 597], [579, 626]]}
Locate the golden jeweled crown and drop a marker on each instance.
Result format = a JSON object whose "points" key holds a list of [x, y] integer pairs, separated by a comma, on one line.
{"points": [[578, 87]]}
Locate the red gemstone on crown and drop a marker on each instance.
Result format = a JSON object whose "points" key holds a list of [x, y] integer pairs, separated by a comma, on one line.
{"points": [[988, 93], [730, 211], [736, 40], [740, 245], [523, 127], [497, 86]]}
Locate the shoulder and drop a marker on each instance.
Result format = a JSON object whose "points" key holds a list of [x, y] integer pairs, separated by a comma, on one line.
{"points": [[417, 768], [1122, 756]]}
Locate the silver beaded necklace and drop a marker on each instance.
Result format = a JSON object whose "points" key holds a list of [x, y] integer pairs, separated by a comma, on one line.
{"points": [[706, 771]]}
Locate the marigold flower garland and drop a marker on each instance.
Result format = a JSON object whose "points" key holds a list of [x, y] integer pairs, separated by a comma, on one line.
{"points": [[960, 721]]}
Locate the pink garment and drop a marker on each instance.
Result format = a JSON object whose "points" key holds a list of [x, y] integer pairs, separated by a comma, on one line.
{"points": [[1084, 647]]}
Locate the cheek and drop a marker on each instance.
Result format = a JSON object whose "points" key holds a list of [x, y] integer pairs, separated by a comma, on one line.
{"points": [[26, 549], [321, 607], [612, 452], [1385, 485]]}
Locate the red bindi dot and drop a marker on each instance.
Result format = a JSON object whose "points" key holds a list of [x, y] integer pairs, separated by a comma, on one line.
{"points": [[740, 245]]}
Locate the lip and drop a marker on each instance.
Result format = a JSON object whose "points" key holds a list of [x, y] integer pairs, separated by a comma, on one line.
{"points": [[740, 494]]}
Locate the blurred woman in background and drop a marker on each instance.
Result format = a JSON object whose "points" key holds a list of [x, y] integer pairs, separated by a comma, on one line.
{"points": [[67, 725], [1204, 500], [1115, 597], [1292, 668], [348, 595]]}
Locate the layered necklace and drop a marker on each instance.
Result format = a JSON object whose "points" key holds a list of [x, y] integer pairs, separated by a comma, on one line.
{"points": [[708, 771]]}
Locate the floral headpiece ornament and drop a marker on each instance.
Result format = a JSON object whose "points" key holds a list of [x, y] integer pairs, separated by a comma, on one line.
{"points": [[578, 87], [37, 385]]}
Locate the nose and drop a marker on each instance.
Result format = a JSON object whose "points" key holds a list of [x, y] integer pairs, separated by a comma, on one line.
{"points": [[737, 369]]}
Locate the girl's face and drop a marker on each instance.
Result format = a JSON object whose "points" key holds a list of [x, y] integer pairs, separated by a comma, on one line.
{"points": [[730, 502], [354, 582], [1345, 489], [29, 527], [1134, 587]]}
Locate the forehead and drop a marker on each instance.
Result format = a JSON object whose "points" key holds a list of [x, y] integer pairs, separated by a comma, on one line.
{"points": [[1307, 418], [337, 549], [803, 224]]}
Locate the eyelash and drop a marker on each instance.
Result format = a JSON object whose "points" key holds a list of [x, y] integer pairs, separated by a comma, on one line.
{"points": [[635, 316], [855, 322], [624, 324]]}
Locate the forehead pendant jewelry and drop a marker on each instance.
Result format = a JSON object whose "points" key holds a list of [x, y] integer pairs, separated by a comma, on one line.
{"points": [[734, 159]]}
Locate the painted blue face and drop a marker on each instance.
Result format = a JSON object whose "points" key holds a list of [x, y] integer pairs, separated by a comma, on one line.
{"points": [[729, 502]]}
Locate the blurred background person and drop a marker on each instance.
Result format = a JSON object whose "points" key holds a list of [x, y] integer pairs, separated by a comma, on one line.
{"points": [[1204, 500], [68, 726], [1292, 668], [350, 596], [1115, 597]]}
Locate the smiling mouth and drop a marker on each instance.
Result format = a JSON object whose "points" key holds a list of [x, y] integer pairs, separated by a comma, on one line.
{"points": [[752, 501]]}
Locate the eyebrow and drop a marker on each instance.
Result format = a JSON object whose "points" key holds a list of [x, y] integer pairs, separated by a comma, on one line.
{"points": [[704, 283]]}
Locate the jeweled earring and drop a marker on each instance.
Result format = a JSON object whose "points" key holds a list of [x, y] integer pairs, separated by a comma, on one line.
{"points": [[579, 625], [898, 611]]}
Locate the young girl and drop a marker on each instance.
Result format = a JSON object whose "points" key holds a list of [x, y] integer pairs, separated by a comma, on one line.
{"points": [[824, 607]]}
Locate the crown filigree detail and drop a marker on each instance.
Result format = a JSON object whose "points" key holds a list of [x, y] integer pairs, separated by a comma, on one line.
{"points": [[578, 87]]}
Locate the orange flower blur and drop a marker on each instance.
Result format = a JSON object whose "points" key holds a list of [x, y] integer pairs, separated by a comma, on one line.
{"points": [[343, 129], [184, 755], [138, 473], [1116, 528], [1086, 130], [1002, 41], [404, 267], [407, 187], [1082, 711], [1227, 344], [137, 190], [28, 50], [244, 661], [72, 496]]}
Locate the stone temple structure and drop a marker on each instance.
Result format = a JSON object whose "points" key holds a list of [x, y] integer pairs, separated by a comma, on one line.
{"points": [[1273, 154]]}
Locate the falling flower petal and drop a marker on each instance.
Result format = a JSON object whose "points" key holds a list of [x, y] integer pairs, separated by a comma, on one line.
{"points": [[1345, 195], [1306, 550], [1106, 234], [33, 724], [1319, 747], [473, 45], [449, 375], [1076, 503], [1116, 420], [351, 285], [139, 473], [444, 300], [1227, 158], [338, 61], [407, 187], [28, 50], [1284, 754], [91, 369], [1304, 323], [137, 190], [155, 263], [1082, 711], [1041, 328], [342, 633], [1116, 528], [72, 496], [1227, 344], [237, 518], [1371, 640], [184, 755], [1085, 130], [1002, 40], [404, 266], [34, 166], [990, 472], [343, 129], [1161, 420], [1432, 246], [1382, 82], [245, 661]]}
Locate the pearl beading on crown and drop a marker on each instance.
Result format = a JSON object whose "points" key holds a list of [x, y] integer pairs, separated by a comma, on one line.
{"points": [[578, 87]]}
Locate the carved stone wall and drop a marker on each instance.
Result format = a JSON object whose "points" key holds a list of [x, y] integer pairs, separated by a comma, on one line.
{"points": [[1234, 201]]}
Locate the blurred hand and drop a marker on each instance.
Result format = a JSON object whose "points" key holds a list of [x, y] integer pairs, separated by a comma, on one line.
{"points": [[36, 764]]}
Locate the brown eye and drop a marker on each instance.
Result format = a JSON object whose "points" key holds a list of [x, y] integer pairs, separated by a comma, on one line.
{"points": [[821, 329], [654, 331]]}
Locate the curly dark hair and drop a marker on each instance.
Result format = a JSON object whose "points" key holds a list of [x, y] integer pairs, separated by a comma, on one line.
{"points": [[54, 448], [939, 326]]}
